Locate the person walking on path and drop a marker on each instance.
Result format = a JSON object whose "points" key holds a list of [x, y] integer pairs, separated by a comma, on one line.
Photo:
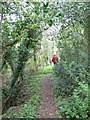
{"points": [[55, 59]]}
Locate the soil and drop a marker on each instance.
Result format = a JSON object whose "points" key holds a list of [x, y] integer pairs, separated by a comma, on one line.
{"points": [[48, 106]]}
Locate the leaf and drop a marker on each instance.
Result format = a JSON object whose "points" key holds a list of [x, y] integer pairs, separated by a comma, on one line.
{"points": [[62, 15], [67, 116], [36, 3], [77, 116], [45, 5], [50, 22], [5, 11]]}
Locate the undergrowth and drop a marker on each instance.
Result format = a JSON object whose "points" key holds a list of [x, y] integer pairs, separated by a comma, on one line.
{"points": [[71, 89], [47, 69], [29, 108]]}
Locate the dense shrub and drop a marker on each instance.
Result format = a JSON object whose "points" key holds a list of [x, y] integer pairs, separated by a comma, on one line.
{"points": [[71, 87]]}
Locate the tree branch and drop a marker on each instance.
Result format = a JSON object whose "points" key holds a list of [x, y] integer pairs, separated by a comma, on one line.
{"points": [[10, 44]]}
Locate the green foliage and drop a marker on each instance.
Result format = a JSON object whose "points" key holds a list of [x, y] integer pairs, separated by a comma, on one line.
{"points": [[23, 32], [50, 22], [71, 73], [5, 11], [29, 111], [67, 75], [75, 106], [47, 69], [72, 85], [21, 39], [30, 107]]}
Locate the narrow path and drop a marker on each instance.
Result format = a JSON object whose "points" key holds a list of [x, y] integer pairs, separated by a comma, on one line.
{"points": [[48, 108]]}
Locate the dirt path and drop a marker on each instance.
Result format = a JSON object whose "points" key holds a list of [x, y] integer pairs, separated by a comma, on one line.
{"points": [[48, 108]]}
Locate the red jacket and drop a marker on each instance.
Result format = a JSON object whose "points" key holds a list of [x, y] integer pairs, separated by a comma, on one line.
{"points": [[53, 59]]}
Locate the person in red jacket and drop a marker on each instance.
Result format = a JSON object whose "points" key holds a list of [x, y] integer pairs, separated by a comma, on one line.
{"points": [[54, 59]]}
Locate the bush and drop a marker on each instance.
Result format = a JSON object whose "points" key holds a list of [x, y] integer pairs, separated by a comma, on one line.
{"points": [[75, 106], [47, 69], [71, 87], [31, 99]]}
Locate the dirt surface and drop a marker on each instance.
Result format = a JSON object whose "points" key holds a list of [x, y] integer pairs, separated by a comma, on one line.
{"points": [[48, 108]]}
